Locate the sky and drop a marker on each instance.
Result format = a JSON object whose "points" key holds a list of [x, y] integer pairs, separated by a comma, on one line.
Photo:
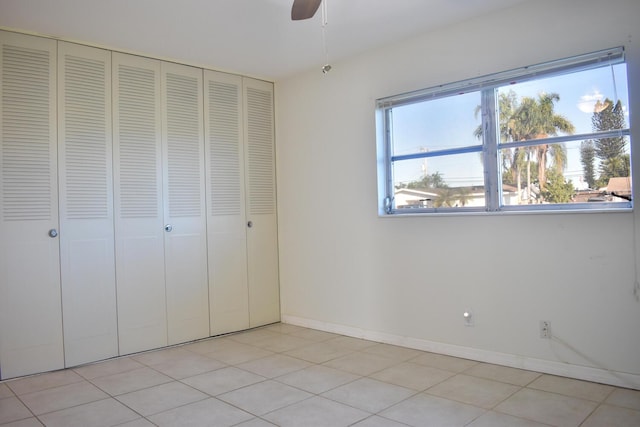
{"points": [[450, 123]]}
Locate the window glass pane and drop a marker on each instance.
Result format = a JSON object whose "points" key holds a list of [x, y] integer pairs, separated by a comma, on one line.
{"points": [[573, 172], [577, 103], [436, 124], [442, 181]]}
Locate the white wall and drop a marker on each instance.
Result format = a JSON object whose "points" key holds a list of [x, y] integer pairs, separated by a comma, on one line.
{"points": [[408, 280]]}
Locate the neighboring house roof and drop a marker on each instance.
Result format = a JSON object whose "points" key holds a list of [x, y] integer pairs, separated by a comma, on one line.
{"points": [[620, 185], [414, 192]]}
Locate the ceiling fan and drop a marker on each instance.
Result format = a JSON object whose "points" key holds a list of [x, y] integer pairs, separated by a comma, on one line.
{"points": [[304, 9]]}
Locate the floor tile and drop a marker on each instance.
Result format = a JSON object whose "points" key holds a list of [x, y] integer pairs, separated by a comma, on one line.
{"points": [[423, 410], [209, 412], [283, 328], [254, 335], [164, 355], [613, 416], [473, 391], [281, 343], [127, 382], [140, 422], [351, 343], [66, 396], [571, 387], [377, 421], [161, 398], [625, 398], [361, 363], [108, 412], [314, 335], [11, 409], [274, 366], [234, 353], [317, 379], [441, 361], [29, 422], [393, 351], [208, 345], [264, 397], [109, 367], [545, 407], [188, 366], [255, 422], [496, 419], [319, 352], [5, 391], [316, 412], [413, 376], [43, 381], [503, 374], [369, 395], [289, 375], [223, 380]]}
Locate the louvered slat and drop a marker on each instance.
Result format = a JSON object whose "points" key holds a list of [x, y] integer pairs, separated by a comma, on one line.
{"points": [[183, 146], [85, 144], [138, 147], [26, 162], [224, 140], [260, 151]]}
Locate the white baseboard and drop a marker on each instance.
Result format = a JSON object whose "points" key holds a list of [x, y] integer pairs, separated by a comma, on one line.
{"points": [[603, 376]]}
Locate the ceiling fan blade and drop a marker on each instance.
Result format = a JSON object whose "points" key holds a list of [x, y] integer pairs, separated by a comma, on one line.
{"points": [[304, 9]]}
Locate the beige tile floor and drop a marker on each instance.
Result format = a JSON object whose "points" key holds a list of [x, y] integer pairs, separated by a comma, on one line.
{"points": [[291, 376]]}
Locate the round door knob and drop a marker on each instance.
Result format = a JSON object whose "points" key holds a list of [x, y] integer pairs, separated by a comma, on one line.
{"points": [[168, 228], [53, 232], [250, 224]]}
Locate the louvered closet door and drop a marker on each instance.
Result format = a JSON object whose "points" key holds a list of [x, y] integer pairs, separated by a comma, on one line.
{"points": [[30, 310], [185, 220], [262, 237], [142, 311], [86, 204], [226, 224]]}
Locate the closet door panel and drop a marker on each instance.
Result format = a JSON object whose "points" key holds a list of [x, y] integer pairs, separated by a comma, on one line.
{"points": [[226, 223], [262, 236], [142, 314], [30, 310], [185, 220], [86, 204]]}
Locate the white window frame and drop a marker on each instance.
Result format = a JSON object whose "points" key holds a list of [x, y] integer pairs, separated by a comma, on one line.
{"points": [[490, 145]]}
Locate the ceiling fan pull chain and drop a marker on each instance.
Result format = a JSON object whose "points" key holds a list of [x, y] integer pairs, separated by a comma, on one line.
{"points": [[326, 67]]}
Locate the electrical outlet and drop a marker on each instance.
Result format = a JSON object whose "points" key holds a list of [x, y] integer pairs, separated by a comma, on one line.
{"points": [[468, 318], [545, 329]]}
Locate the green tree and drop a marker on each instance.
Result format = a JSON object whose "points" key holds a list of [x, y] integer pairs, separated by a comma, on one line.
{"points": [[535, 119], [587, 158], [557, 190], [445, 197], [463, 195], [526, 119], [614, 162], [430, 181]]}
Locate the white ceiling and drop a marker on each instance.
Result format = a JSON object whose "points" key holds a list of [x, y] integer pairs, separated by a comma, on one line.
{"points": [[251, 37]]}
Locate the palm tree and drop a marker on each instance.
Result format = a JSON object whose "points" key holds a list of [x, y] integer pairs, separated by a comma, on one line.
{"points": [[527, 119], [536, 119]]}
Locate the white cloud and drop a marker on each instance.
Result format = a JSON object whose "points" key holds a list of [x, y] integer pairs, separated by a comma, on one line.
{"points": [[587, 102]]}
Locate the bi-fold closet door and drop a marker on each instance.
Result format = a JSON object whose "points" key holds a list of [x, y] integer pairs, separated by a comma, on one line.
{"points": [[159, 203], [30, 294], [85, 167], [241, 202], [57, 293]]}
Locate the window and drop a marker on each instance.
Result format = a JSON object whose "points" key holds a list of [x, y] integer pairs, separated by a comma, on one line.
{"points": [[551, 136]]}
